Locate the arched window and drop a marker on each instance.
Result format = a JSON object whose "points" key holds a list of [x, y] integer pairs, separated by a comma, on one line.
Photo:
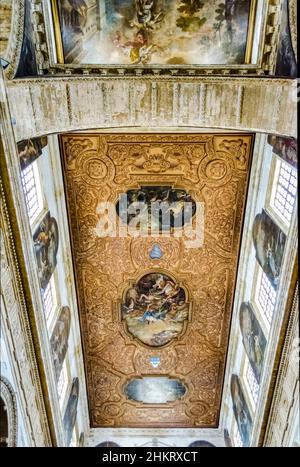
{"points": [[107, 444], [201, 444], [284, 190], [265, 297], [251, 382], [237, 439], [33, 192], [8, 414], [49, 298]]}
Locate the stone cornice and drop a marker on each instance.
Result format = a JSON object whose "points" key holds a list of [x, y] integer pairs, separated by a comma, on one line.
{"points": [[15, 38], [52, 105]]}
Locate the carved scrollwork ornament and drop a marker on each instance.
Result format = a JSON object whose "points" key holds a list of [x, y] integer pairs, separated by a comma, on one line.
{"points": [[165, 316], [8, 396], [15, 40]]}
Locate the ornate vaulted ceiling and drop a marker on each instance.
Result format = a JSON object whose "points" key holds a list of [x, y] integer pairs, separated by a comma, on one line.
{"points": [[155, 312]]}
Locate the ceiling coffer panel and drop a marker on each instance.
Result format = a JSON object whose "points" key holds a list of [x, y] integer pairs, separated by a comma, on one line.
{"points": [[148, 315]]}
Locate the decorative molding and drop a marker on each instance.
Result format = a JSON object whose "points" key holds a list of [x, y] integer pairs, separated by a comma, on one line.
{"points": [[266, 61], [39, 31], [55, 105], [293, 24], [8, 396], [272, 32], [15, 40]]}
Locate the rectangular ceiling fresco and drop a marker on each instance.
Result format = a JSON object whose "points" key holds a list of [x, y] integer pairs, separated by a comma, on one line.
{"points": [[154, 32], [155, 309]]}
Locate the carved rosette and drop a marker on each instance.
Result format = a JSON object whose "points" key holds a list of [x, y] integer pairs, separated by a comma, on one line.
{"points": [[214, 170]]}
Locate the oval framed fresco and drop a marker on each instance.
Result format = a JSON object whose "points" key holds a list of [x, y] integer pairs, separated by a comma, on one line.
{"points": [[155, 390], [155, 309]]}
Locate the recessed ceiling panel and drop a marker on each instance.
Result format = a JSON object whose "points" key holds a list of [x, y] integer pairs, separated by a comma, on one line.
{"points": [[155, 305], [155, 309], [155, 32], [154, 390]]}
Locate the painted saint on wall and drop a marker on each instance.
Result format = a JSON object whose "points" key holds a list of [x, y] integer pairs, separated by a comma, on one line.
{"points": [[286, 63], [159, 208], [69, 419], [241, 411], [284, 147], [253, 339], [45, 240], [269, 243], [154, 390], [30, 149], [155, 309], [173, 32], [59, 339]]}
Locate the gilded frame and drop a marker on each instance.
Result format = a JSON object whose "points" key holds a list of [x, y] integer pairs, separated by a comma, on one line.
{"points": [[134, 280], [263, 31]]}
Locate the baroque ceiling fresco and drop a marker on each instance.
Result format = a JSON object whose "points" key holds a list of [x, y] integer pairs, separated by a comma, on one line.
{"points": [[166, 32], [155, 309]]}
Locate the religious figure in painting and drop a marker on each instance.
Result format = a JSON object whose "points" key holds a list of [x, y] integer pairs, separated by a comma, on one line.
{"points": [[155, 309], [285, 147], [269, 243], [253, 339], [241, 411], [30, 149], [169, 32], [70, 415], [45, 240], [159, 208], [59, 339]]}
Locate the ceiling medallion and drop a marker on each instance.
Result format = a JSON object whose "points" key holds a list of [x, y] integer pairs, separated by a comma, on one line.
{"points": [[155, 361], [155, 309], [156, 252]]}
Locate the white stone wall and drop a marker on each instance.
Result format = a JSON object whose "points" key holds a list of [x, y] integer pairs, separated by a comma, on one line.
{"points": [[53, 191], [284, 419], [260, 185]]}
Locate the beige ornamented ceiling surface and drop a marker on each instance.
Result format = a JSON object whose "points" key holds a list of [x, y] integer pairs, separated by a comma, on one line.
{"points": [[117, 279]]}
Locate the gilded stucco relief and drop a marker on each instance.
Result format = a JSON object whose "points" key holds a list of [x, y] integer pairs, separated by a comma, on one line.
{"points": [[212, 169]]}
